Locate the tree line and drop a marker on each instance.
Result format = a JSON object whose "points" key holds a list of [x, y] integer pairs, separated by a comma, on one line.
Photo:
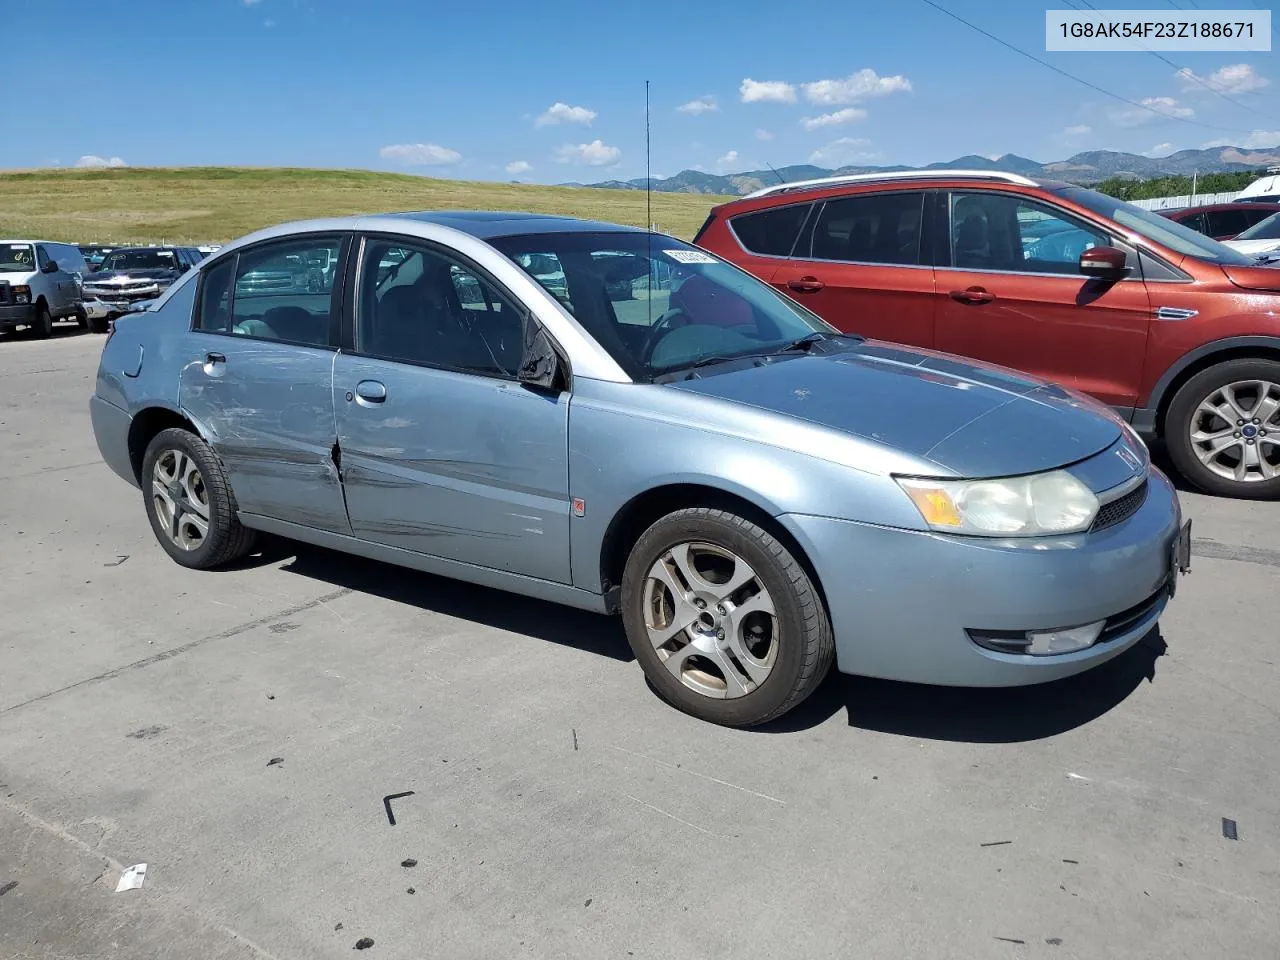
{"points": [[1123, 188]]}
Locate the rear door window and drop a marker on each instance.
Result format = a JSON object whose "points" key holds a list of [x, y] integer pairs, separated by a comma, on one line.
{"points": [[873, 228], [772, 232], [280, 293]]}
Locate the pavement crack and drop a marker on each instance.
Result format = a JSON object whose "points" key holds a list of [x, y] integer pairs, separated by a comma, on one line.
{"points": [[185, 648]]}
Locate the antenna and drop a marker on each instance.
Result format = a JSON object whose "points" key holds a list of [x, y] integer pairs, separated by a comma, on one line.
{"points": [[648, 180], [775, 172], [648, 200]]}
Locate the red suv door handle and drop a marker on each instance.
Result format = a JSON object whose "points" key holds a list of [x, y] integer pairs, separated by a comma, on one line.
{"points": [[806, 285], [973, 295]]}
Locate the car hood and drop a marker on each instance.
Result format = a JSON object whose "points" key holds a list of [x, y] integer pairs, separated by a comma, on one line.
{"points": [[106, 276], [1260, 277], [16, 277], [1252, 246], [973, 420]]}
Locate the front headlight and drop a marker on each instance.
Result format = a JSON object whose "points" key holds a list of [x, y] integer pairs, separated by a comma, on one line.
{"points": [[21, 293], [1043, 504]]}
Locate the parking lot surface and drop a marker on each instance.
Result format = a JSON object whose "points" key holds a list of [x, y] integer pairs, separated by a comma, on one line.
{"points": [[557, 808]]}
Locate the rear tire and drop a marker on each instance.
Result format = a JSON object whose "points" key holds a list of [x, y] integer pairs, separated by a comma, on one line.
{"points": [[1234, 452], [99, 324], [82, 318], [42, 329], [724, 620], [189, 502]]}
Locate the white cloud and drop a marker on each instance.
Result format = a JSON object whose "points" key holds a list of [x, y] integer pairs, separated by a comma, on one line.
{"points": [[1079, 130], [847, 115], [519, 166], [1257, 140], [420, 154], [863, 85], [559, 113], [763, 134], [1235, 78], [597, 153], [843, 151], [700, 106], [90, 160], [1159, 150], [728, 159], [1166, 107], [766, 91]]}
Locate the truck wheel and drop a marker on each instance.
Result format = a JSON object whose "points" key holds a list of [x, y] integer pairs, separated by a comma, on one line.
{"points": [[1223, 429], [189, 502], [42, 329], [82, 318], [725, 622]]}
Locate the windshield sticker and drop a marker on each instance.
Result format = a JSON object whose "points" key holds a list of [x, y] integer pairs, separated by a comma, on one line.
{"points": [[689, 256]]}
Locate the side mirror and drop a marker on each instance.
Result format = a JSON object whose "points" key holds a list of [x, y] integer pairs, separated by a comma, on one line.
{"points": [[539, 365], [50, 267], [1105, 263]]}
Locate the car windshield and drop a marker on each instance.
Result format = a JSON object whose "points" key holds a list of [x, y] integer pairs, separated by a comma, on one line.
{"points": [[1268, 229], [658, 305], [1168, 233], [17, 258], [140, 260]]}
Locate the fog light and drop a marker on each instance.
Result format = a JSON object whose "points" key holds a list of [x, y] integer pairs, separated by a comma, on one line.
{"points": [[1046, 643]]}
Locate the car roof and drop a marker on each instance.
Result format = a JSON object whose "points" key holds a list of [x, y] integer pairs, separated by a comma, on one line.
{"points": [[486, 224]]}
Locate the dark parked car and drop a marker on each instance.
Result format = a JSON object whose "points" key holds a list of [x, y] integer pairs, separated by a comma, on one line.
{"points": [[137, 273], [1222, 221]]}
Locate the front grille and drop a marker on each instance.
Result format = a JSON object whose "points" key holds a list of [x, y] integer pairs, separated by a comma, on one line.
{"points": [[1117, 511], [4, 292], [1121, 623]]}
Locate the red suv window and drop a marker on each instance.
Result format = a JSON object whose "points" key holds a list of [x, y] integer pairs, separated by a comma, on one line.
{"points": [[773, 232]]}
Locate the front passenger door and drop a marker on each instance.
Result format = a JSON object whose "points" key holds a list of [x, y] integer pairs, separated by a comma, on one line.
{"points": [[443, 451]]}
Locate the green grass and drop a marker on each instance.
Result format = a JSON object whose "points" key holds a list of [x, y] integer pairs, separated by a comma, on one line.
{"points": [[217, 204]]}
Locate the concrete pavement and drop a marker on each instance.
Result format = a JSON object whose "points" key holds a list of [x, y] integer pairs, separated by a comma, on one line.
{"points": [[558, 808]]}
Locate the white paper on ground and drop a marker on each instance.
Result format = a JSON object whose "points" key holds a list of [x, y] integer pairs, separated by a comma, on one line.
{"points": [[132, 878]]}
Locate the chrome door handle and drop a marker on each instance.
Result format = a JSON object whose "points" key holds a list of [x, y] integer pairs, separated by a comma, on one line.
{"points": [[371, 391]]}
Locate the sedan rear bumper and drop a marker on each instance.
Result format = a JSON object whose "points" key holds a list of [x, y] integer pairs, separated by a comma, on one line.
{"points": [[902, 602], [111, 430]]}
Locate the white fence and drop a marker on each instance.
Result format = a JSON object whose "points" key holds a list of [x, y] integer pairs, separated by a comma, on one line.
{"points": [[1186, 200]]}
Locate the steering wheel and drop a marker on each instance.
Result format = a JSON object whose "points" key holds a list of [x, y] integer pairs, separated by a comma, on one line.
{"points": [[660, 329]]}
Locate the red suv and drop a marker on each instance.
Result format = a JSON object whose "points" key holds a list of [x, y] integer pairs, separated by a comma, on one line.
{"points": [[1177, 332]]}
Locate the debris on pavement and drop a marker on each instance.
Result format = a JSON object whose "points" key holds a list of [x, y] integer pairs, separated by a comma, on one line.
{"points": [[412, 891], [131, 879], [337, 927], [588, 903], [409, 863], [386, 803], [364, 943], [1229, 829], [1053, 941], [275, 761], [6, 887], [271, 696], [120, 558], [575, 739], [996, 843], [1011, 940], [1076, 862]]}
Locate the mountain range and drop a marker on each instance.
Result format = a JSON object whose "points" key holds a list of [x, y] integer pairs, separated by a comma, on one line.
{"points": [[1088, 167]]}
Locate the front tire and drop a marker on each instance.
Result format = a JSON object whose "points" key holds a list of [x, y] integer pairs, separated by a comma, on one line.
{"points": [[189, 502], [1223, 429], [724, 620], [43, 327]]}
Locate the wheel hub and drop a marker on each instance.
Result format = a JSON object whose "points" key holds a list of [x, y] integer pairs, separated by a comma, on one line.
{"points": [[1249, 431]]}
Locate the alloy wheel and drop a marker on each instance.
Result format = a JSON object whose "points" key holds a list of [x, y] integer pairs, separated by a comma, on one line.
{"points": [[1235, 431], [711, 620], [181, 499]]}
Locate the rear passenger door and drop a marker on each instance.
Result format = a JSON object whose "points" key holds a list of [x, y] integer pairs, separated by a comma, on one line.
{"points": [[258, 381], [861, 265]]}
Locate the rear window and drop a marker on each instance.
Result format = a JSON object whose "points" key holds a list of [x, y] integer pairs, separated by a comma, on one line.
{"points": [[773, 232]]}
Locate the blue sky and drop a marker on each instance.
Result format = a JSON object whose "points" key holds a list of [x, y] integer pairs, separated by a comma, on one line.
{"points": [[554, 91]]}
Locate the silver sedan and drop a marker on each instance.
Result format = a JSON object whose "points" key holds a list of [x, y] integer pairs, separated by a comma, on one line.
{"points": [[616, 420]]}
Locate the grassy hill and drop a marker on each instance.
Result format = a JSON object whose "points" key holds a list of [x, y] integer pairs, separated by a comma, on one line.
{"points": [[217, 204]]}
